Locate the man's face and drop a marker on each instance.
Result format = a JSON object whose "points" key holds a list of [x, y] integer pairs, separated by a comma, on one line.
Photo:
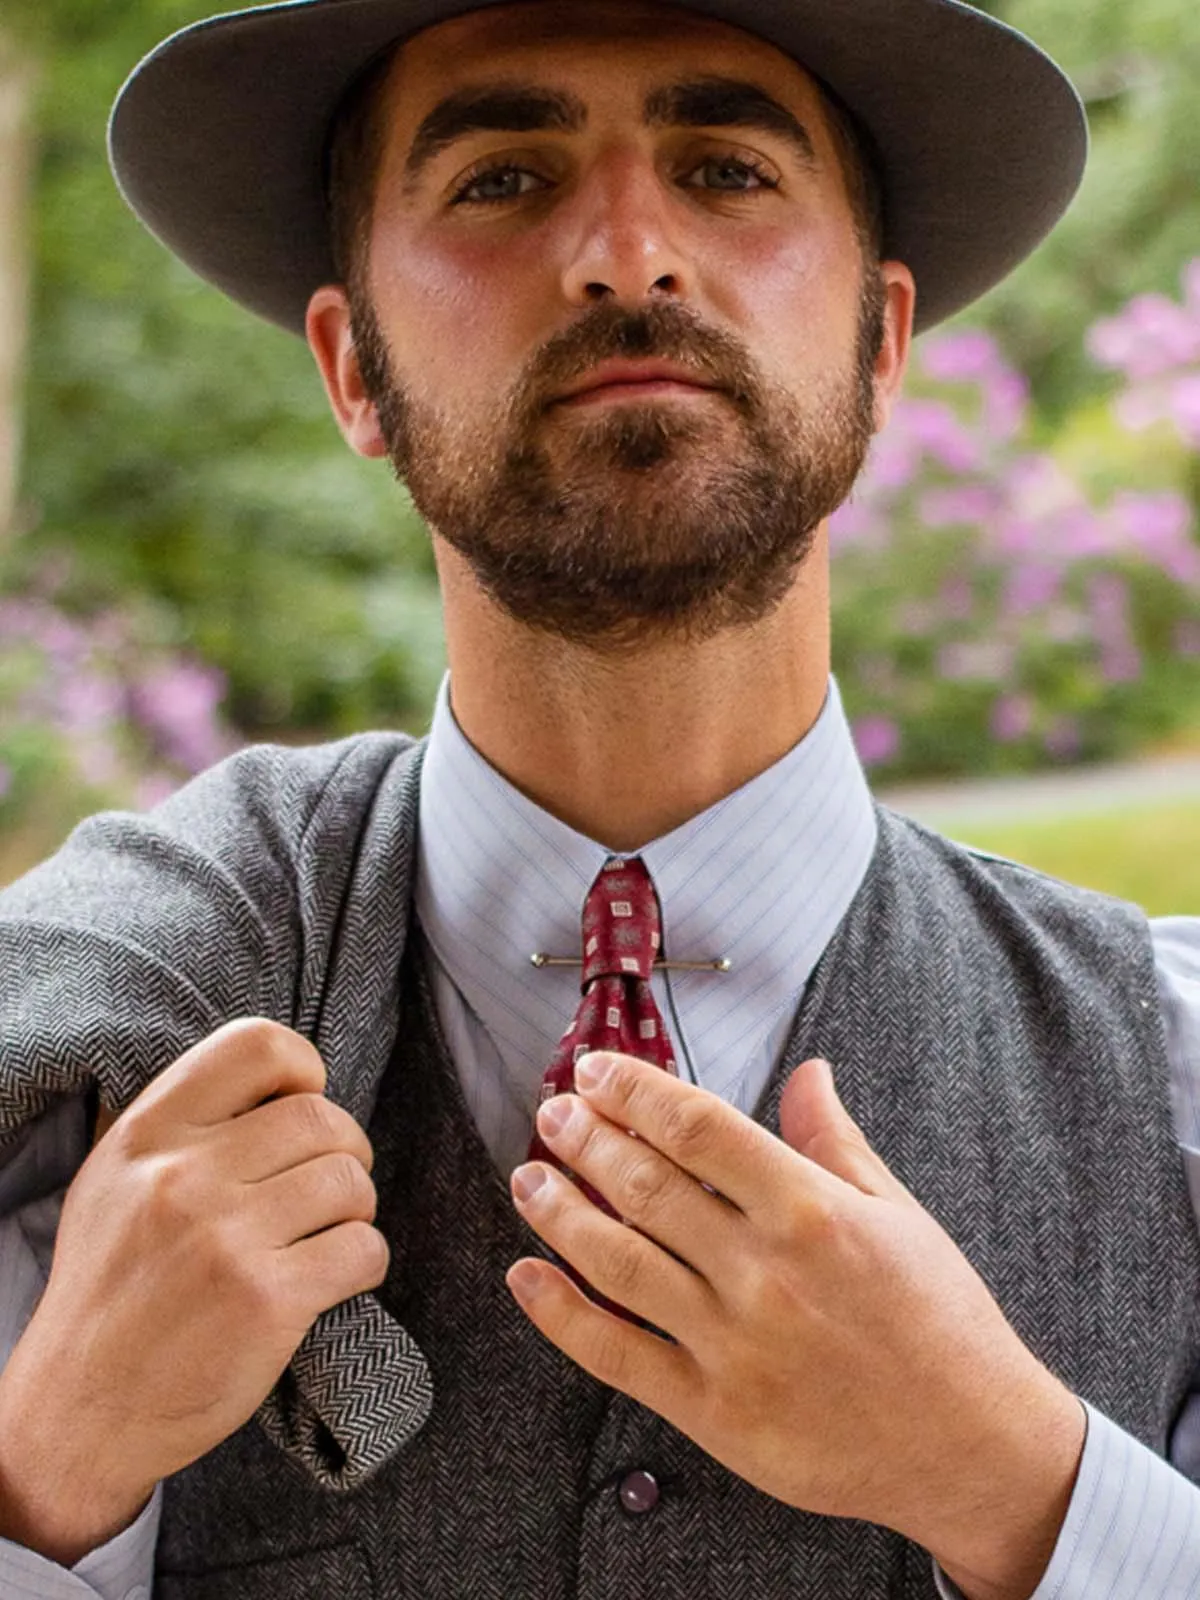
{"points": [[564, 186]]}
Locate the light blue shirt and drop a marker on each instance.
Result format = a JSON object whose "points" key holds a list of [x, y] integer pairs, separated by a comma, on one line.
{"points": [[763, 877]]}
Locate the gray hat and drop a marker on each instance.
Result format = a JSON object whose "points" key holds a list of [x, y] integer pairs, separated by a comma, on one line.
{"points": [[218, 137]]}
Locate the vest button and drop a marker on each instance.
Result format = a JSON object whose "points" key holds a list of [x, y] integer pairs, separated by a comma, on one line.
{"points": [[639, 1492]]}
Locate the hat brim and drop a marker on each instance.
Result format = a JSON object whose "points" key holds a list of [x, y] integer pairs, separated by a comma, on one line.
{"points": [[217, 139]]}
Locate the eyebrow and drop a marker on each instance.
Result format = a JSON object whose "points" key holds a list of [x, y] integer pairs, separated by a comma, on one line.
{"points": [[707, 102], [716, 102], [510, 108]]}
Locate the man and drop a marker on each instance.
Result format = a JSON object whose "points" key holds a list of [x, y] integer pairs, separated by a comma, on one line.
{"points": [[889, 1283]]}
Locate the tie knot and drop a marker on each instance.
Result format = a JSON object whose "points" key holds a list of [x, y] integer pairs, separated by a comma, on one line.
{"points": [[621, 931]]}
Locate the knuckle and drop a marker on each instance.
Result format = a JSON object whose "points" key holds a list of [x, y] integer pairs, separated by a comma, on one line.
{"points": [[169, 1196], [824, 1146], [591, 1142], [646, 1183], [311, 1114], [371, 1251], [687, 1127], [258, 1293], [620, 1269], [765, 1293], [266, 1039], [615, 1365], [349, 1182], [262, 1035]]}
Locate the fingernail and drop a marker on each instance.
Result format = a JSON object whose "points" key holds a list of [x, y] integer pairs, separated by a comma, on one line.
{"points": [[554, 1114], [525, 1280], [591, 1071], [527, 1181]]}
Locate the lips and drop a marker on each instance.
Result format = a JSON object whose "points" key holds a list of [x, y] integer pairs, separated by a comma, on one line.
{"points": [[631, 374]]}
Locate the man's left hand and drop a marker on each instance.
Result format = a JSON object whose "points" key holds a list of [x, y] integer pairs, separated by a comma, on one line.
{"points": [[834, 1347]]}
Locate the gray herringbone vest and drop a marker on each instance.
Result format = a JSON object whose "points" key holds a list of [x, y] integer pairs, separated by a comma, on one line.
{"points": [[998, 1038]]}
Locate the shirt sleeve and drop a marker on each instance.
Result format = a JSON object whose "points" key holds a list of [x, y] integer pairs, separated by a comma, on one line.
{"points": [[33, 1178], [1132, 1529], [122, 1569]]}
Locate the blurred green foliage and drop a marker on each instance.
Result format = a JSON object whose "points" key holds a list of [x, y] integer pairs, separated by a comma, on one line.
{"points": [[177, 446]]}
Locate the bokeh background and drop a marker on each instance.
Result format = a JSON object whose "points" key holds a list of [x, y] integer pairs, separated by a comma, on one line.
{"points": [[191, 560]]}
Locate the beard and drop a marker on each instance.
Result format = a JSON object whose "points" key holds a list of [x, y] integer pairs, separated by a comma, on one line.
{"points": [[641, 519]]}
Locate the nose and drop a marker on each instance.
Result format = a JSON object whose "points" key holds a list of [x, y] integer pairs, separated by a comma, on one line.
{"points": [[623, 245]]}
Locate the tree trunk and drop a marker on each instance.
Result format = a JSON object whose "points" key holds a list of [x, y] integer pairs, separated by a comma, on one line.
{"points": [[16, 146]]}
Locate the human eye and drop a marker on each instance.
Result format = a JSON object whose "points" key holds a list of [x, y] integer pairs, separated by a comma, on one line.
{"points": [[731, 172], [485, 185]]}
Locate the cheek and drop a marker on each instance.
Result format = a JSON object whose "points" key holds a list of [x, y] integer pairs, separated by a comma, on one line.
{"points": [[463, 311], [793, 298]]}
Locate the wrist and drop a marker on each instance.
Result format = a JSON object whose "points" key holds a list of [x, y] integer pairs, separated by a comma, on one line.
{"points": [[1002, 1542], [58, 1494]]}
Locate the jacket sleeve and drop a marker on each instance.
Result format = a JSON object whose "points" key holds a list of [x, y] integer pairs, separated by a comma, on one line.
{"points": [[42, 1162], [145, 932]]}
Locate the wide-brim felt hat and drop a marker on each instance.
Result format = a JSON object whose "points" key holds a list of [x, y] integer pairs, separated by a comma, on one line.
{"points": [[218, 137]]}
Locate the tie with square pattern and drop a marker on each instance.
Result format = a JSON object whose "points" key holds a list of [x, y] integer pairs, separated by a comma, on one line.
{"points": [[621, 939]]}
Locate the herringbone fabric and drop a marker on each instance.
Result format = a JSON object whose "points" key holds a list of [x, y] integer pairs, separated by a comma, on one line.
{"points": [[997, 1035], [996, 1038], [276, 884], [621, 934]]}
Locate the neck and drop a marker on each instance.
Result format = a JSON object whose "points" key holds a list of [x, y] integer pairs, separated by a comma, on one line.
{"points": [[625, 748]]}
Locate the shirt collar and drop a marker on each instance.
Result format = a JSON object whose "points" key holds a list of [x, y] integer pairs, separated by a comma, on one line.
{"points": [[762, 878]]}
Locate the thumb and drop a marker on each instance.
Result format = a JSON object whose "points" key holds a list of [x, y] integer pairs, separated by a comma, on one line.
{"points": [[815, 1123]]}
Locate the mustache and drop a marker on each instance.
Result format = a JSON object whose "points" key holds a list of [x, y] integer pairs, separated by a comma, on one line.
{"points": [[667, 332]]}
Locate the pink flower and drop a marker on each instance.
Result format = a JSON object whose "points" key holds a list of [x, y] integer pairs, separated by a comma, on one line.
{"points": [[89, 703], [934, 426], [877, 740], [1157, 527], [1012, 717], [891, 463], [1184, 406], [1005, 405], [956, 505], [986, 660], [1030, 585], [854, 522], [962, 357], [1152, 335], [178, 706]]}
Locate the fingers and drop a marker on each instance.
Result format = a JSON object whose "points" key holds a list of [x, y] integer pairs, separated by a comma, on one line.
{"points": [[286, 1133], [234, 1069], [645, 1189], [323, 1193], [615, 1261], [708, 1139], [331, 1266]]}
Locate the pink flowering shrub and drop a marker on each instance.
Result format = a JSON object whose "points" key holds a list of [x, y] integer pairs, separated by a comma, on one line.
{"points": [[1156, 345], [990, 613], [97, 710]]}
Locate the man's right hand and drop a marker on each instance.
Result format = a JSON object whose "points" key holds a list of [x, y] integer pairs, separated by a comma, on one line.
{"points": [[223, 1211]]}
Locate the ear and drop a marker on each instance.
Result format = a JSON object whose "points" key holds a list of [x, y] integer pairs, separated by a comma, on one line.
{"points": [[892, 362], [327, 328]]}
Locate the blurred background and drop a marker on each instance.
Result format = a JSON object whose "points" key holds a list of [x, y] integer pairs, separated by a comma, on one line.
{"points": [[190, 558]]}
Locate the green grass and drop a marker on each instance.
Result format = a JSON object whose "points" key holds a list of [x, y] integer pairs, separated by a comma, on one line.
{"points": [[1148, 854]]}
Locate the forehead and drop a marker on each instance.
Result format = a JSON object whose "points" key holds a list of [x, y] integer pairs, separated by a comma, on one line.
{"points": [[582, 42]]}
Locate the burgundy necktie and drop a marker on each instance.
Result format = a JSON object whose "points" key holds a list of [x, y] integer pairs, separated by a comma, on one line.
{"points": [[621, 939]]}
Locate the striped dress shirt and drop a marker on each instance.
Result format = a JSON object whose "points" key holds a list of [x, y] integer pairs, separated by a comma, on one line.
{"points": [[763, 878]]}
